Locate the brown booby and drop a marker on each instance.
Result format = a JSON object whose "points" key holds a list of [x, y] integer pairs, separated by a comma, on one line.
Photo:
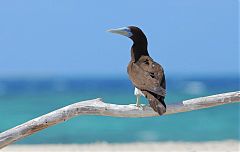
{"points": [[146, 75]]}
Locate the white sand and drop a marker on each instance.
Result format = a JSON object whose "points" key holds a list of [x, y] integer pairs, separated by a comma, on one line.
{"points": [[213, 146]]}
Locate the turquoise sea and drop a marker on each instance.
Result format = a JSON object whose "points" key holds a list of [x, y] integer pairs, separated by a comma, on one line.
{"points": [[22, 99]]}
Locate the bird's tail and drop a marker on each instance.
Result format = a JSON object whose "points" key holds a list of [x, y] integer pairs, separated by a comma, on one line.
{"points": [[156, 102]]}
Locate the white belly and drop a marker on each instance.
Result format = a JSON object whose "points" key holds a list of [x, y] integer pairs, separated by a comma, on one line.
{"points": [[138, 92]]}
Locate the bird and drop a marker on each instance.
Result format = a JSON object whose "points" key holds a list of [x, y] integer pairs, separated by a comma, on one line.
{"points": [[146, 75]]}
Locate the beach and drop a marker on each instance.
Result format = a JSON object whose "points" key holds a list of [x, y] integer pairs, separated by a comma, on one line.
{"points": [[210, 146]]}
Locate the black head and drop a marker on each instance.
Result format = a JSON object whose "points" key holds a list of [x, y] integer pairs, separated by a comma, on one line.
{"points": [[133, 32], [137, 34], [139, 47]]}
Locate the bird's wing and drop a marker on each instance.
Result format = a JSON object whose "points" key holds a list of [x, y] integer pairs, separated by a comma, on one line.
{"points": [[156, 102], [148, 75]]}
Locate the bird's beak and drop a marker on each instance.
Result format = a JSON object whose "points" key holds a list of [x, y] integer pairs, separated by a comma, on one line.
{"points": [[125, 31]]}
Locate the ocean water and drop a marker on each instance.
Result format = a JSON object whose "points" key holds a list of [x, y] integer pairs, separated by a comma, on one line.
{"points": [[24, 99]]}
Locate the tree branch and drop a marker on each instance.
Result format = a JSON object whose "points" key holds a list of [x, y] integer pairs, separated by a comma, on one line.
{"points": [[98, 107]]}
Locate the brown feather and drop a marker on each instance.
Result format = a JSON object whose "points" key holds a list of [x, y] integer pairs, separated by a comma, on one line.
{"points": [[156, 102], [147, 75]]}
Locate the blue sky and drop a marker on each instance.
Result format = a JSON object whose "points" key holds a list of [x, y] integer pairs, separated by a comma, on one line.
{"points": [[69, 38]]}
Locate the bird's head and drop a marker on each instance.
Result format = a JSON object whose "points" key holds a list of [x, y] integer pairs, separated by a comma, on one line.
{"points": [[133, 32]]}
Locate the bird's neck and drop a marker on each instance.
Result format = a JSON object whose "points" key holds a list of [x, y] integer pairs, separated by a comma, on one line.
{"points": [[139, 49]]}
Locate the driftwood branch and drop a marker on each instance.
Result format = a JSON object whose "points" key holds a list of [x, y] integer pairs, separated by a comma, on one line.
{"points": [[98, 107]]}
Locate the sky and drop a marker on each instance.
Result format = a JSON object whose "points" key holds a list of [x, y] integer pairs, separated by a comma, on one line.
{"points": [[69, 38]]}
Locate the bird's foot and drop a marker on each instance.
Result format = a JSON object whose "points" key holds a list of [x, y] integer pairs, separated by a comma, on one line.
{"points": [[142, 107]]}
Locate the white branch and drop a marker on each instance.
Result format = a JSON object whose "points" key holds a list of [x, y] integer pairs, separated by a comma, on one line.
{"points": [[98, 107]]}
